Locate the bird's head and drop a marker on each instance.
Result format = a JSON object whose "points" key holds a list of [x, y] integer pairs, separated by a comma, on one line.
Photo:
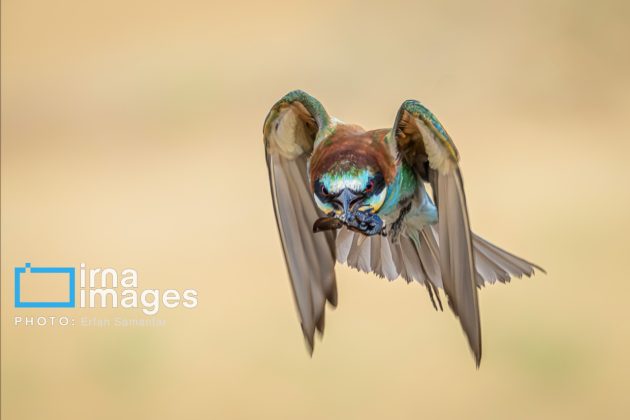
{"points": [[350, 194]]}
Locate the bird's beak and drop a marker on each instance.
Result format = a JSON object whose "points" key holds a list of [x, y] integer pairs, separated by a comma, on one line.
{"points": [[365, 222], [346, 213], [346, 201]]}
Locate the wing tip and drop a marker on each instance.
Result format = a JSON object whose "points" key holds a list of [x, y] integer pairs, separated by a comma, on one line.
{"points": [[309, 339], [474, 341], [539, 268]]}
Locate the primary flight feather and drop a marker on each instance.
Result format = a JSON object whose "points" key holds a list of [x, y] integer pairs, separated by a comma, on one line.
{"points": [[341, 193]]}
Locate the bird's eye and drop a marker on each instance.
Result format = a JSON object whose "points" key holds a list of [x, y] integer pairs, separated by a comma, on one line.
{"points": [[325, 191], [370, 186]]}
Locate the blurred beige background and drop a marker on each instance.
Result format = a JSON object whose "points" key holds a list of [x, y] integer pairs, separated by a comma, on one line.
{"points": [[131, 137]]}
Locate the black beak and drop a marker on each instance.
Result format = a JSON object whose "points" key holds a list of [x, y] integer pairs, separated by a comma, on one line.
{"points": [[346, 201]]}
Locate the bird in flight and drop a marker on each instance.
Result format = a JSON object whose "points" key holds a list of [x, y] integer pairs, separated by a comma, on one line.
{"points": [[344, 194]]}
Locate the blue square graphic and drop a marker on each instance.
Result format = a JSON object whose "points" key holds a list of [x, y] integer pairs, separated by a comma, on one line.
{"points": [[44, 270]]}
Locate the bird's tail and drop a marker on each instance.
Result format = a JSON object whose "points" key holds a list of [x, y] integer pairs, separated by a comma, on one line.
{"points": [[493, 263], [415, 256]]}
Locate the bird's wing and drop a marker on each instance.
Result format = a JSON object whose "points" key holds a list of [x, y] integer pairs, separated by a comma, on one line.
{"points": [[290, 130], [419, 140]]}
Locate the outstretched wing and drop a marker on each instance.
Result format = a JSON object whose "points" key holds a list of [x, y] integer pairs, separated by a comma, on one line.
{"points": [[291, 128], [423, 144]]}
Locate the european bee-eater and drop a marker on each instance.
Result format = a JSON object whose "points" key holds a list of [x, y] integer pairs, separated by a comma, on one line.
{"points": [[358, 197]]}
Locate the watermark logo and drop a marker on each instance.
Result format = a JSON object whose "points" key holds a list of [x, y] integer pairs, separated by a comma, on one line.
{"points": [[44, 278], [82, 287]]}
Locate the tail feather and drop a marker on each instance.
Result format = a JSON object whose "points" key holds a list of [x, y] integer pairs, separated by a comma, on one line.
{"points": [[514, 265], [416, 256]]}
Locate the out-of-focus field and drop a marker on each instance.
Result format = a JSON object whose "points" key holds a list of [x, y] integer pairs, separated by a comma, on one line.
{"points": [[131, 137]]}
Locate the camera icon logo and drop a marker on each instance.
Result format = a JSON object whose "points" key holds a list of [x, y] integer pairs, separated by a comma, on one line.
{"points": [[61, 279]]}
